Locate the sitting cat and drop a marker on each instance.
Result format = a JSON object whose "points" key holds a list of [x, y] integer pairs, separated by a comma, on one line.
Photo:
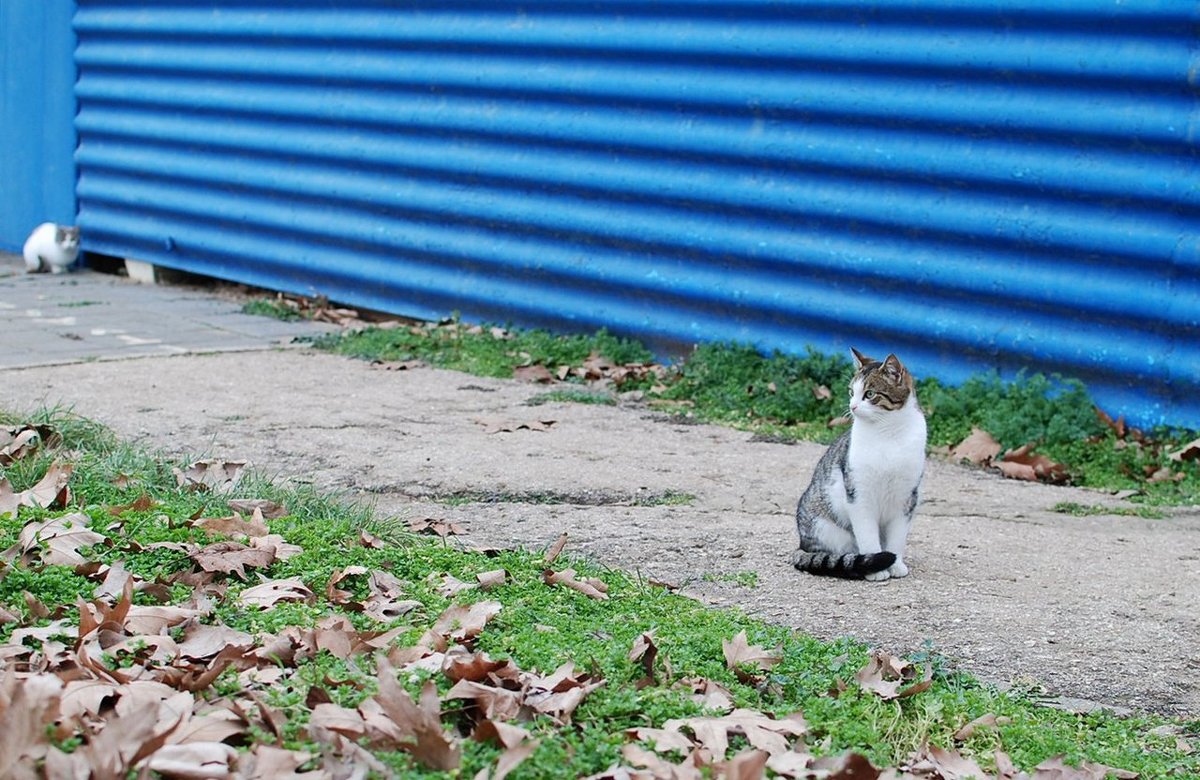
{"points": [[855, 515], [51, 247]]}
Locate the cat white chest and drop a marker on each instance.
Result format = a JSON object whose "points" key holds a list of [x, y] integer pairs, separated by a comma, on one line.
{"points": [[886, 462]]}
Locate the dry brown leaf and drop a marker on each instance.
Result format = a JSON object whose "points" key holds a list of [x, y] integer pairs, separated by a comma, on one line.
{"points": [[947, 764], [371, 541], [462, 664], [23, 440], [233, 558], [233, 525], [142, 503], [590, 587], [194, 761], [792, 764], [1005, 768], [983, 721], [115, 578], [450, 586], [202, 642], [739, 651], [1189, 451], [55, 541], [1164, 474], [329, 719], [536, 373], [442, 528], [206, 475], [27, 708], [652, 767], [1055, 769], [747, 765], [491, 579], [559, 693], [514, 739], [269, 593], [890, 677], [500, 704], [387, 610], [270, 510], [1023, 463], [420, 722], [848, 766], [51, 490], [126, 739], [644, 651], [709, 694], [384, 603], [276, 545], [555, 550], [157, 619], [268, 762], [762, 732], [462, 623], [335, 595], [978, 448], [662, 740]]}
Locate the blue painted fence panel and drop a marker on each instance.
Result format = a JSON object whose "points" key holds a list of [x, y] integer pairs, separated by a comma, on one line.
{"points": [[972, 184], [37, 113]]}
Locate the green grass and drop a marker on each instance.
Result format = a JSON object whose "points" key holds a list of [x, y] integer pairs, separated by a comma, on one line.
{"points": [[573, 395], [1088, 510], [783, 397], [456, 346], [266, 307], [541, 627]]}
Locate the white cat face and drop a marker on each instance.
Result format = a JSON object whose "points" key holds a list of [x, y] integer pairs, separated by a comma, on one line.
{"points": [[860, 406], [68, 239]]}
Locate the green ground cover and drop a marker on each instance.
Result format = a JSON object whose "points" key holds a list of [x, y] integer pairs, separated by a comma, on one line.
{"points": [[149, 516]]}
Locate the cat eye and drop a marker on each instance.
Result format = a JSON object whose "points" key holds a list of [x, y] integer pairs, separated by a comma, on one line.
{"points": [[871, 395]]}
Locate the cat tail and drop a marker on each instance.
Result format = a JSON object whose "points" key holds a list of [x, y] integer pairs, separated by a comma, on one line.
{"points": [[851, 566]]}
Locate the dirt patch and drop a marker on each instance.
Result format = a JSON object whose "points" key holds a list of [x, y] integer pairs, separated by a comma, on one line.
{"points": [[1101, 608]]}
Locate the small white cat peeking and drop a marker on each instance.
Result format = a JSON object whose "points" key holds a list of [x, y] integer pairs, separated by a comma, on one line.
{"points": [[51, 247]]}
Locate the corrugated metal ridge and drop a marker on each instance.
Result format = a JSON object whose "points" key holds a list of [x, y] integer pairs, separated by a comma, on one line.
{"points": [[892, 99], [324, 224], [553, 215], [1101, 229], [678, 170]]}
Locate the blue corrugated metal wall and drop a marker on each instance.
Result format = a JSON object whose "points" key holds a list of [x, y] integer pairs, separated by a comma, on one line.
{"points": [[37, 112], [982, 183]]}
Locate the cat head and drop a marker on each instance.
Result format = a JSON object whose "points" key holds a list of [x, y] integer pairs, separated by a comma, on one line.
{"points": [[879, 387], [67, 237]]}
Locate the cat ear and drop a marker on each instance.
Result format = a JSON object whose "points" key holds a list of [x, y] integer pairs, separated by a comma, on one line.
{"points": [[893, 367], [860, 359]]}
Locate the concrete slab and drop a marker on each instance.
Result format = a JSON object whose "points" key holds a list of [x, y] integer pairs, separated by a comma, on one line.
{"points": [[54, 319]]}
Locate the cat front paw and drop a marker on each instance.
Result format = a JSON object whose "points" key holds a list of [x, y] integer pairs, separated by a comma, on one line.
{"points": [[898, 569], [878, 576]]}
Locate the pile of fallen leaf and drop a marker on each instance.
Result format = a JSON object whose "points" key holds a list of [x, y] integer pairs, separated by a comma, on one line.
{"points": [[980, 448], [595, 369], [128, 682]]}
